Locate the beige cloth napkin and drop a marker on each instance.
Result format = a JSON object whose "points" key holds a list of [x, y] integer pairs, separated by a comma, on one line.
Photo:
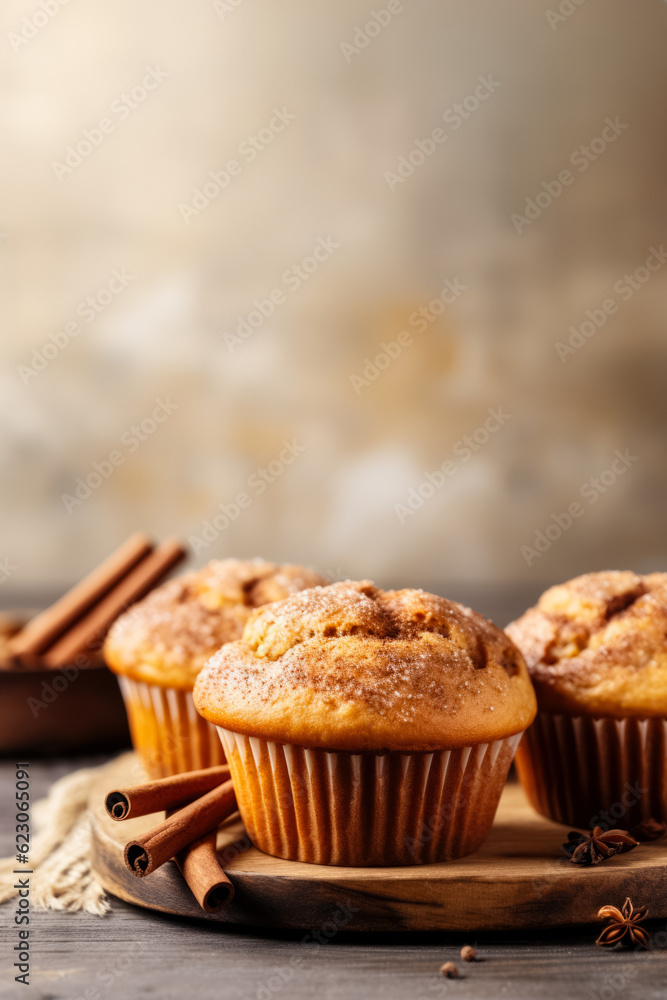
{"points": [[60, 851]]}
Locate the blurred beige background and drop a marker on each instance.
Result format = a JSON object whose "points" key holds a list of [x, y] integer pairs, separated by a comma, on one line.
{"points": [[180, 90]]}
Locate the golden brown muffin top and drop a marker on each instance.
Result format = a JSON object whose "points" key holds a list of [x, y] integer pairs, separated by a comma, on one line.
{"points": [[167, 637], [598, 645], [351, 667]]}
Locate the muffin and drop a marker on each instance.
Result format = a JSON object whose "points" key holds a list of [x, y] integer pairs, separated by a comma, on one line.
{"points": [[596, 649], [158, 647], [367, 727]]}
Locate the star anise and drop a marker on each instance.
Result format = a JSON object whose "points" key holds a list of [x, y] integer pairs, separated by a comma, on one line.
{"points": [[624, 926], [649, 829], [597, 845]]}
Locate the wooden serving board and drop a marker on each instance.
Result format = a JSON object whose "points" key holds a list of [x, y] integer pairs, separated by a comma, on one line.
{"points": [[518, 879]]}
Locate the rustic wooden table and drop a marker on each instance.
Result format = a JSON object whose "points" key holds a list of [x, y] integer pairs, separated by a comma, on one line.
{"points": [[133, 953]]}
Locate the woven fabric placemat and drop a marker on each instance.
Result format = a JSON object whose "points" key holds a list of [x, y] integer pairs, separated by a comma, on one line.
{"points": [[59, 854]]}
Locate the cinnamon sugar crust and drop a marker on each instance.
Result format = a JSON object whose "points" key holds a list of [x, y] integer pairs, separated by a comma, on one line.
{"points": [[598, 645], [352, 667], [167, 637]]}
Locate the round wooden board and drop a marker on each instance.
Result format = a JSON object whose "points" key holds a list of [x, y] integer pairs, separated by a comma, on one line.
{"points": [[518, 879]]}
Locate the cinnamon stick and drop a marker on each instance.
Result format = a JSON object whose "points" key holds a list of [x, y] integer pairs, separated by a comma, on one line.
{"points": [[162, 842], [36, 636], [94, 624], [201, 869], [165, 793]]}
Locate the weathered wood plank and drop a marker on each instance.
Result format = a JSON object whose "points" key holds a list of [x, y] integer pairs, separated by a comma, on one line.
{"points": [[136, 953]]}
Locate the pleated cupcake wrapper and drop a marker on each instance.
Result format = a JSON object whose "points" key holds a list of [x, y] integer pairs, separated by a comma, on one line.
{"points": [[338, 808], [167, 732], [584, 771]]}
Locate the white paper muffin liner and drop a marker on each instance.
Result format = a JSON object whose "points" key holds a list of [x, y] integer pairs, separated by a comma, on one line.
{"points": [[588, 772], [337, 808], [167, 733]]}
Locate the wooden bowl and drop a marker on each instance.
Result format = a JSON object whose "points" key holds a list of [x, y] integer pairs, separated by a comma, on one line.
{"points": [[57, 711]]}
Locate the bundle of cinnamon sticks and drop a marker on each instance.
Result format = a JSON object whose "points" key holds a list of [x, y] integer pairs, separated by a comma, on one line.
{"points": [[196, 803], [77, 623]]}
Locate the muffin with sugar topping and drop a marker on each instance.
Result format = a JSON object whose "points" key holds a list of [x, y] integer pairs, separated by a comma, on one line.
{"points": [[596, 649], [160, 644], [367, 727]]}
